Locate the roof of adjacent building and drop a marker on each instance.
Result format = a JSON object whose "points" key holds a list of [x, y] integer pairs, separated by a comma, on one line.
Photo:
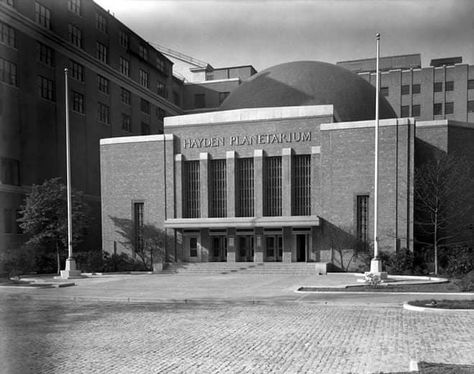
{"points": [[310, 83]]}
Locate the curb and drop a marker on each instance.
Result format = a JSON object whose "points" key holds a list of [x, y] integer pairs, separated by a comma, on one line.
{"points": [[435, 310]]}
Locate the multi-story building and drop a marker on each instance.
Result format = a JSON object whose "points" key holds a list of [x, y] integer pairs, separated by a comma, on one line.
{"points": [[444, 90], [118, 85]]}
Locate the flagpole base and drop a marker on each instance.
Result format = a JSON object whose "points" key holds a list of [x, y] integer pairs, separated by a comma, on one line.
{"points": [[71, 272], [376, 268]]}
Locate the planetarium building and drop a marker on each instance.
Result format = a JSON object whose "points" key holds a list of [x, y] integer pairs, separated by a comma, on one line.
{"points": [[281, 172]]}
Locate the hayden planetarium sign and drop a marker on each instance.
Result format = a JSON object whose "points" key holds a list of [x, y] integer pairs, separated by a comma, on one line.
{"points": [[221, 141]]}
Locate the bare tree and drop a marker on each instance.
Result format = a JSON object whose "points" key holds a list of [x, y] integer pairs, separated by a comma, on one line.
{"points": [[443, 195]]}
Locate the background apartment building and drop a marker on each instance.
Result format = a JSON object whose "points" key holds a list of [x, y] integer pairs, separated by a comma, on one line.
{"points": [[444, 90]]}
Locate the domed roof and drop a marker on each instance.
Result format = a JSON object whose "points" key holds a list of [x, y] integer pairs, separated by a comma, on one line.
{"points": [[310, 83]]}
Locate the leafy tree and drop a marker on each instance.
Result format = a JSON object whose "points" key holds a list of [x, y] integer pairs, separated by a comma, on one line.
{"points": [[148, 244], [443, 195], [43, 217]]}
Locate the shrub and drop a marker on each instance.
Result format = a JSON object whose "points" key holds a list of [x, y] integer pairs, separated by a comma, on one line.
{"points": [[400, 262], [466, 283], [121, 262], [457, 261], [90, 261], [19, 261]]}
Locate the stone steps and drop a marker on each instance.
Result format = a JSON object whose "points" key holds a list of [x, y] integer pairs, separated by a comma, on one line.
{"points": [[300, 269]]}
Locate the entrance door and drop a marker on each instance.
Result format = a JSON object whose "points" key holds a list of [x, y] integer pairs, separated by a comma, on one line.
{"points": [[219, 248], [191, 248], [245, 248], [273, 248], [301, 248]]}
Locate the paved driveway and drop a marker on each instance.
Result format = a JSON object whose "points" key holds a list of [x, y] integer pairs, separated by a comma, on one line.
{"points": [[81, 330]]}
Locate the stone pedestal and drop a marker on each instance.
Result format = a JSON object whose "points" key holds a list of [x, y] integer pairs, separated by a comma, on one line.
{"points": [[376, 268], [71, 272]]}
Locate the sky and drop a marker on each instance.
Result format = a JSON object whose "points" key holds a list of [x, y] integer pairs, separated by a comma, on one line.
{"points": [[264, 33]]}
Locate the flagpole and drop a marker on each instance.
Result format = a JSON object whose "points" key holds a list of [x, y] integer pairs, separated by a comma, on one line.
{"points": [[70, 268], [376, 263]]}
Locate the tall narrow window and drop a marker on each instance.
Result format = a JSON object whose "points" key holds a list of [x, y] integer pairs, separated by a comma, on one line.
{"points": [[191, 183], [138, 225], [75, 35], [7, 35], [103, 113], [126, 123], [123, 37], [77, 102], [272, 186], [161, 89], [46, 88], [101, 52], [77, 71], [8, 72], [143, 52], [103, 84], [101, 22], [245, 192], [42, 15], [362, 208], [218, 188], [144, 78], [145, 106], [45, 54], [125, 95], [124, 67], [74, 6], [302, 185]]}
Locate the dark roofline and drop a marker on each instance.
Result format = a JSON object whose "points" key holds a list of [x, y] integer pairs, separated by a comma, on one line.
{"points": [[384, 57]]}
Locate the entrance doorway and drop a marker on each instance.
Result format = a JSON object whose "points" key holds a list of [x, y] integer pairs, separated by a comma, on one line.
{"points": [[219, 248], [245, 248], [273, 248], [301, 248]]}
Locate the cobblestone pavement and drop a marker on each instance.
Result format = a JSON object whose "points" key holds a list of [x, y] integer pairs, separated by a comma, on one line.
{"points": [[42, 336]]}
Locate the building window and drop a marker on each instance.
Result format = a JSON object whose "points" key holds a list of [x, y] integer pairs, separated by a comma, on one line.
{"points": [[362, 211], [101, 52], [405, 89], [45, 54], [75, 35], [438, 86], [302, 185], [161, 114], [138, 225], [103, 84], [145, 127], [8, 72], [470, 106], [245, 192], [74, 6], [123, 38], [145, 106], [405, 111], [77, 102], [10, 171], [42, 15], [384, 91], [125, 96], [161, 65], [126, 123], [161, 89], [124, 67], [103, 113], [437, 109], [193, 247], [143, 52], [7, 35], [470, 84], [416, 110], [272, 186], [416, 88], [191, 191], [101, 23], [218, 188], [144, 78], [77, 71], [199, 100], [223, 96], [449, 86], [449, 107], [46, 88]]}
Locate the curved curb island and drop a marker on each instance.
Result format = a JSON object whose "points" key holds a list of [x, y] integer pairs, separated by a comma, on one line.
{"points": [[415, 308]]}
